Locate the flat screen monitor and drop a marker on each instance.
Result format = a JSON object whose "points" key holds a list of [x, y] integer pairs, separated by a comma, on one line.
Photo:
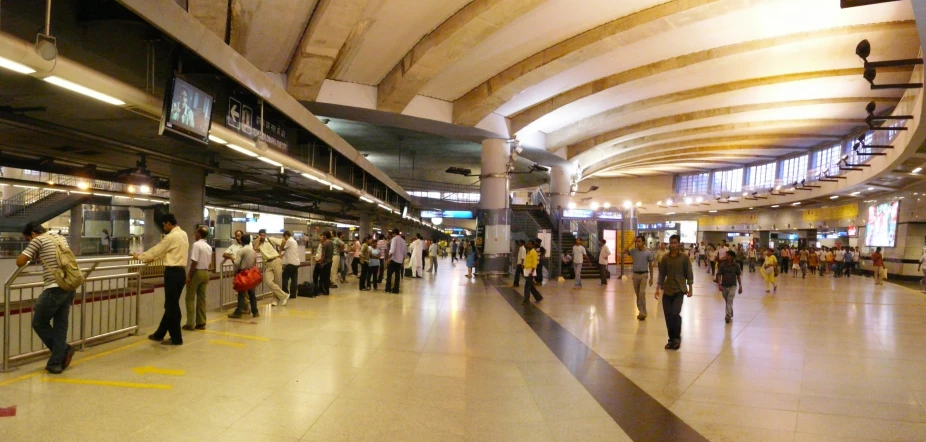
{"points": [[881, 230], [187, 111], [273, 224], [688, 230]]}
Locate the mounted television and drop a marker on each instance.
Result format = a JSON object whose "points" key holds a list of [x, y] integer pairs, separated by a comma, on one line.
{"points": [[272, 223], [187, 111], [881, 230], [688, 230]]}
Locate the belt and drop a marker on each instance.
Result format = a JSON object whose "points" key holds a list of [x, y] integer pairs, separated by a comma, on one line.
{"points": [[175, 267], [640, 273]]}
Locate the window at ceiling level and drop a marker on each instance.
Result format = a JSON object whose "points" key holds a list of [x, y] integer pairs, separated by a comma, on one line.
{"points": [[726, 181], [694, 184], [761, 176], [794, 169], [827, 158]]}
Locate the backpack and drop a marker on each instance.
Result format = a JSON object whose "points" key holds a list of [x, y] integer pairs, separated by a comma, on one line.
{"points": [[68, 276]]}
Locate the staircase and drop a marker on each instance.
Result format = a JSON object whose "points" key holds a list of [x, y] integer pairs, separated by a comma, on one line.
{"points": [[589, 266], [36, 205], [526, 221]]}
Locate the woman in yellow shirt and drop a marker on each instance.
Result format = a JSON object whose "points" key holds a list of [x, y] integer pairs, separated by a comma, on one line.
{"points": [[768, 270]]}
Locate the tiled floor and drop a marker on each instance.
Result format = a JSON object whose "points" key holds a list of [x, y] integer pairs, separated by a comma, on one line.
{"points": [[450, 359]]}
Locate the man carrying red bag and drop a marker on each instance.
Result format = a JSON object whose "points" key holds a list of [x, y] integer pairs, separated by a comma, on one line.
{"points": [[247, 277]]}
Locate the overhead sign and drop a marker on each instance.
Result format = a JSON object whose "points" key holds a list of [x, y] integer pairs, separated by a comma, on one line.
{"points": [[610, 215], [243, 115], [454, 214], [578, 213], [852, 231]]}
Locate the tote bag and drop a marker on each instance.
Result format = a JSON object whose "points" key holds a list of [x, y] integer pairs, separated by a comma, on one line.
{"points": [[247, 279]]}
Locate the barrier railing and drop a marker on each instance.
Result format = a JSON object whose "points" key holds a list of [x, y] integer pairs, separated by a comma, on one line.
{"points": [[105, 306], [228, 297]]}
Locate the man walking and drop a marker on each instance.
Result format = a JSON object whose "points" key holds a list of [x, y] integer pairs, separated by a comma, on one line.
{"points": [[603, 253], [174, 248], [676, 280], [728, 277], [642, 267], [578, 257], [291, 262], [53, 307], [519, 269], [531, 262], [453, 256], [273, 266], [397, 250], [197, 280]]}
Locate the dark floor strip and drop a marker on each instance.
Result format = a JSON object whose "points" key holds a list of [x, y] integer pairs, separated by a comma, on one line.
{"points": [[640, 415]]}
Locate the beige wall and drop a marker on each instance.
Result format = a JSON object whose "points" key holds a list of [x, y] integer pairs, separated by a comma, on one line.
{"points": [[617, 190]]}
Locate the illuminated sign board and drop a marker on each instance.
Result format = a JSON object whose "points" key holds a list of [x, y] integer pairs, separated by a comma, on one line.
{"points": [[610, 215], [578, 213], [455, 214]]}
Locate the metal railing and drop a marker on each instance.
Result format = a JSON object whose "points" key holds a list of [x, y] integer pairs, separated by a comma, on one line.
{"points": [[104, 307], [228, 297]]}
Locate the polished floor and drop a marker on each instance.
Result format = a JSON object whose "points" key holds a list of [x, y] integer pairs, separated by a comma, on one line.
{"points": [[455, 359]]}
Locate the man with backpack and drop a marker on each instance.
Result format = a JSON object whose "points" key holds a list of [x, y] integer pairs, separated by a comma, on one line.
{"points": [[53, 306]]}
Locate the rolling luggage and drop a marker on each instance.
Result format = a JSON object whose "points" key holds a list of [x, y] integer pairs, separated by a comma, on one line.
{"points": [[307, 290]]}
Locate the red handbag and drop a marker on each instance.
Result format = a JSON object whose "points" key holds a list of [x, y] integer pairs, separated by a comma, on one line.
{"points": [[247, 279]]}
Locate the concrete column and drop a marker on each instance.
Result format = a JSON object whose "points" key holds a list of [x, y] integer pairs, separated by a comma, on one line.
{"points": [[187, 197], [223, 226], [366, 226], [152, 234], [76, 229], [120, 222], [494, 229], [560, 180]]}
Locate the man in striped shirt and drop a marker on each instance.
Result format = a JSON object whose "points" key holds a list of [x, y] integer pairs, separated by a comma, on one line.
{"points": [[54, 304]]}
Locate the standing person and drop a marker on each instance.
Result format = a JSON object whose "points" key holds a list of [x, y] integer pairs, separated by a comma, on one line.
{"points": [[326, 261], [232, 251], [245, 259], [53, 307], [877, 261], [453, 255], [728, 277], [803, 258], [382, 245], [365, 265], [317, 260], [603, 253], [847, 267], [752, 256], [397, 250], [417, 251], [676, 280], [355, 250], [519, 269], [273, 266], [531, 265], [579, 254], [374, 265], [197, 280], [662, 251], [291, 262], [785, 261], [174, 247], [741, 257], [702, 254], [839, 258], [830, 261], [919, 267], [471, 256], [813, 260], [769, 270], [345, 258], [106, 242], [337, 248], [432, 255], [643, 262], [541, 256]]}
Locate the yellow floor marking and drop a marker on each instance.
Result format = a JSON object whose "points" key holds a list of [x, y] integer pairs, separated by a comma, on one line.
{"points": [[216, 320], [108, 352], [21, 378], [226, 343], [108, 383], [254, 338], [154, 370]]}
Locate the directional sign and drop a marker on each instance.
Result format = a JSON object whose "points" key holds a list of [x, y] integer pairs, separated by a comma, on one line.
{"points": [[234, 113]]}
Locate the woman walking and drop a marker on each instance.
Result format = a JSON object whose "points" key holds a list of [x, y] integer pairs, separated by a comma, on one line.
{"points": [[769, 270], [245, 259], [470, 253], [364, 260]]}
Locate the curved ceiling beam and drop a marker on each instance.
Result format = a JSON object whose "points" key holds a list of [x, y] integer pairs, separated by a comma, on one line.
{"points": [[570, 134], [445, 45], [478, 103], [600, 140], [333, 24], [606, 161], [527, 116], [690, 160], [680, 150]]}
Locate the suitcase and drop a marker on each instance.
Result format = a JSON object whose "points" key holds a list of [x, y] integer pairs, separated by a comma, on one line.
{"points": [[307, 290]]}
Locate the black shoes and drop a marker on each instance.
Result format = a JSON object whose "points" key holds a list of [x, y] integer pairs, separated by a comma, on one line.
{"points": [[67, 357], [54, 369], [200, 327], [154, 338], [727, 319], [674, 345], [235, 315]]}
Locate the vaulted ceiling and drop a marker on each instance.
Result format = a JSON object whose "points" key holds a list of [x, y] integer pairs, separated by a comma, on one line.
{"points": [[622, 88]]}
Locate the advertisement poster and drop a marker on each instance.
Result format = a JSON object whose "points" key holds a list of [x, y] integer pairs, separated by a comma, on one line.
{"points": [[881, 230]]}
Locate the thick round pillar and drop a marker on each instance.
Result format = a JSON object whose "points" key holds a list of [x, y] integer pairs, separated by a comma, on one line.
{"points": [[560, 180], [187, 197], [76, 228], [365, 225], [494, 230], [151, 234]]}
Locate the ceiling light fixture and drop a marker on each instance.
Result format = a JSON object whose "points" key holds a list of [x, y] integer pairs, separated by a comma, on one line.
{"points": [[854, 193], [606, 205], [15, 67], [711, 211], [269, 161], [217, 140], [834, 197], [917, 170], [240, 149], [58, 81], [796, 204], [365, 199], [776, 206]]}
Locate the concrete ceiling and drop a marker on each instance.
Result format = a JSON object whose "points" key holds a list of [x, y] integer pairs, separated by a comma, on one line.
{"points": [[598, 78]]}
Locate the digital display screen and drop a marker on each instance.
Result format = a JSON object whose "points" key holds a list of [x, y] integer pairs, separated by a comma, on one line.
{"points": [[188, 111], [273, 224], [852, 231], [452, 214], [688, 230], [881, 230], [578, 213]]}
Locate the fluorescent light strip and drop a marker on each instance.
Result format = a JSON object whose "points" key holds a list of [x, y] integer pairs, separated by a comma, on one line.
{"points": [[240, 149], [337, 187], [324, 182], [101, 194], [58, 81], [269, 161], [217, 140], [81, 193], [363, 198], [15, 67], [310, 176], [24, 187]]}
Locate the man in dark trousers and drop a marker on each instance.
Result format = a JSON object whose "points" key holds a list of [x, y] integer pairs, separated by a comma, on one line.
{"points": [[397, 250], [676, 279], [174, 248]]}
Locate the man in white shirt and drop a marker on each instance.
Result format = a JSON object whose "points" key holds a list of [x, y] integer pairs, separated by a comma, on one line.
{"points": [[519, 270], [417, 261], [174, 248], [578, 258], [291, 262], [432, 256], [273, 265], [603, 262], [355, 257], [197, 280], [232, 251], [840, 256]]}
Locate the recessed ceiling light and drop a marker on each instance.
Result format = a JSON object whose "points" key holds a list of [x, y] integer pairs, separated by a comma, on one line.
{"points": [[775, 206], [854, 193], [796, 204], [834, 197], [917, 170], [871, 188], [712, 211]]}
